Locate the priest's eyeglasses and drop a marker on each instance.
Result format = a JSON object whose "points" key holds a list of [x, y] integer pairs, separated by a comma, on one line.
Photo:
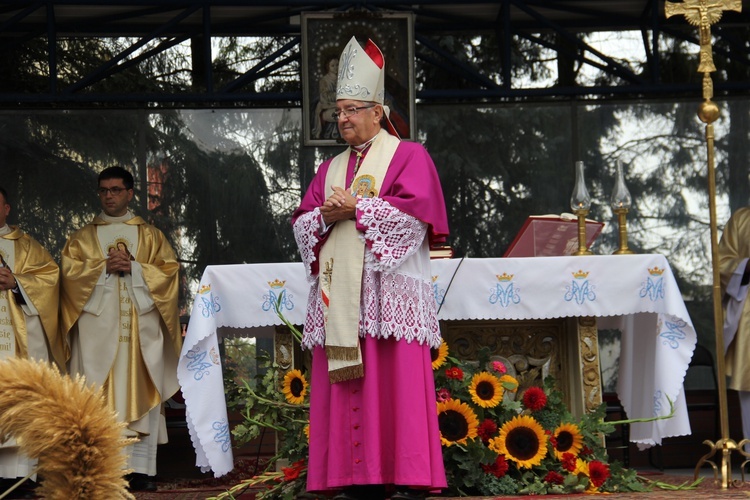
{"points": [[347, 112], [114, 190]]}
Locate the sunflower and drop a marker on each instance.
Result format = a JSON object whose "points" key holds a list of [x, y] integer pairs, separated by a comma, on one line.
{"points": [[486, 390], [522, 440], [457, 422], [294, 387], [439, 355], [567, 439], [306, 430]]}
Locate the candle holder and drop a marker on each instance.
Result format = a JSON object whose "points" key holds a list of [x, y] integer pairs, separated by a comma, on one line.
{"points": [[580, 202], [581, 213], [623, 250], [620, 202]]}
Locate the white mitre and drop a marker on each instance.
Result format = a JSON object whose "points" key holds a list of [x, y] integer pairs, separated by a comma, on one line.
{"points": [[360, 77]]}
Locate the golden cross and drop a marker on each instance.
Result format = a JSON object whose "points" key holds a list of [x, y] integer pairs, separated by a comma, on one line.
{"points": [[703, 13], [328, 273]]}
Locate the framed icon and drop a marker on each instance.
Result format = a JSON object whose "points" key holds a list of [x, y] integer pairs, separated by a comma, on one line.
{"points": [[324, 36]]}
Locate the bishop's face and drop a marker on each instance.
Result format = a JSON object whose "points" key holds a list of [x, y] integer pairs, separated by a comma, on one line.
{"points": [[114, 197], [361, 126]]}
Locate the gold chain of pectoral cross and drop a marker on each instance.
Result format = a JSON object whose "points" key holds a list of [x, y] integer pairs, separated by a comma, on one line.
{"points": [[361, 154]]}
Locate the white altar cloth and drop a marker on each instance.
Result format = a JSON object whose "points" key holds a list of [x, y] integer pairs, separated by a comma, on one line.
{"points": [[636, 294]]}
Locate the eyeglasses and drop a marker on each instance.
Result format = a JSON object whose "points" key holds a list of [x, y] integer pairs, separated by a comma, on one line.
{"points": [[347, 112], [114, 190]]}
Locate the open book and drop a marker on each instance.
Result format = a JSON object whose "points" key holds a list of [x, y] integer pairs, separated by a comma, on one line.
{"points": [[551, 235]]}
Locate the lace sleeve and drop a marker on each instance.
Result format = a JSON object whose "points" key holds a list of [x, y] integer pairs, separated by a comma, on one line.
{"points": [[391, 235], [306, 233]]}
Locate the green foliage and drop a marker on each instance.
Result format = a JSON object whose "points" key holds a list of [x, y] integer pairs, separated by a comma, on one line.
{"points": [[265, 408]]}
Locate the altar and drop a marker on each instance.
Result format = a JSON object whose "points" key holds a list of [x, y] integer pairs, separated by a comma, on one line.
{"points": [[636, 294]]}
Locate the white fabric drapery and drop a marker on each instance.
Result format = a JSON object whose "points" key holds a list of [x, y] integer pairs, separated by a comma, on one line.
{"points": [[634, 293]]}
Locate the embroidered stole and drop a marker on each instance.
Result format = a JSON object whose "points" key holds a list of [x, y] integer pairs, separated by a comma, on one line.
{"points": [[7, 331], [121, 236], [342, 261]]}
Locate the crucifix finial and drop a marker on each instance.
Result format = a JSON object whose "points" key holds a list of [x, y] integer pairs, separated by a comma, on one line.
{"points": [[703, 14]]}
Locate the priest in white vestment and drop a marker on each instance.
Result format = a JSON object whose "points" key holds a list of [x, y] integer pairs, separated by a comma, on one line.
{"points": [[29, 286], [119, 313]]}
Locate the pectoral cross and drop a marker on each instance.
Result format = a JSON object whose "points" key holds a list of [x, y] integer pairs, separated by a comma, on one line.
{"points": [[703, 13]]}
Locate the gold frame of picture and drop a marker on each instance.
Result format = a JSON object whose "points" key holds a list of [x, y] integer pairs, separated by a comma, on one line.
{"points": [[324, 36]]}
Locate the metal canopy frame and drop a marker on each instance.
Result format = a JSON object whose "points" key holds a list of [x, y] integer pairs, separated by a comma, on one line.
{"points": [[168, 23]]}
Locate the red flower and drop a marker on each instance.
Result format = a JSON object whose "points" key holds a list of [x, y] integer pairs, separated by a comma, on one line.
{"points": [[443, 395], [499, 367], [534, 398], [455, 373], [585, 451], [569, 462], [554, 477], [498, 468], [598, 472], [292, 472], [486, 430]]}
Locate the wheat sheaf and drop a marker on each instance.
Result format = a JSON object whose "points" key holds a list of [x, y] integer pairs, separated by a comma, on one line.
{"points": [[65, 425]]}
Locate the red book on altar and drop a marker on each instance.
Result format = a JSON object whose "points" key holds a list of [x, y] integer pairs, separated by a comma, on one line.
{"points": [[551, 235]]}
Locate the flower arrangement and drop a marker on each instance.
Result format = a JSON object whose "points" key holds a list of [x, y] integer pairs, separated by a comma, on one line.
{"points": [[501, 438], [279, 402]]}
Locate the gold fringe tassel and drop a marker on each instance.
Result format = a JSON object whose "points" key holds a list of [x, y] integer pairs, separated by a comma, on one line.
{"points": [[347, 373], [342, 353]]}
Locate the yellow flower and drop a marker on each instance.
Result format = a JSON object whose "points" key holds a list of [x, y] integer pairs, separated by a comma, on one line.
{"points": [[439, 355], [294, 387], [582, 470], [522, 440], [457, 422], [486, 390], [306, 430], [568, 439], [509, 383]]}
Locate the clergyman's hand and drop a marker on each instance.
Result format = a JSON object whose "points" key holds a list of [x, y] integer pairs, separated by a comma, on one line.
{"points": [[118, 261], [340, 205]]}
